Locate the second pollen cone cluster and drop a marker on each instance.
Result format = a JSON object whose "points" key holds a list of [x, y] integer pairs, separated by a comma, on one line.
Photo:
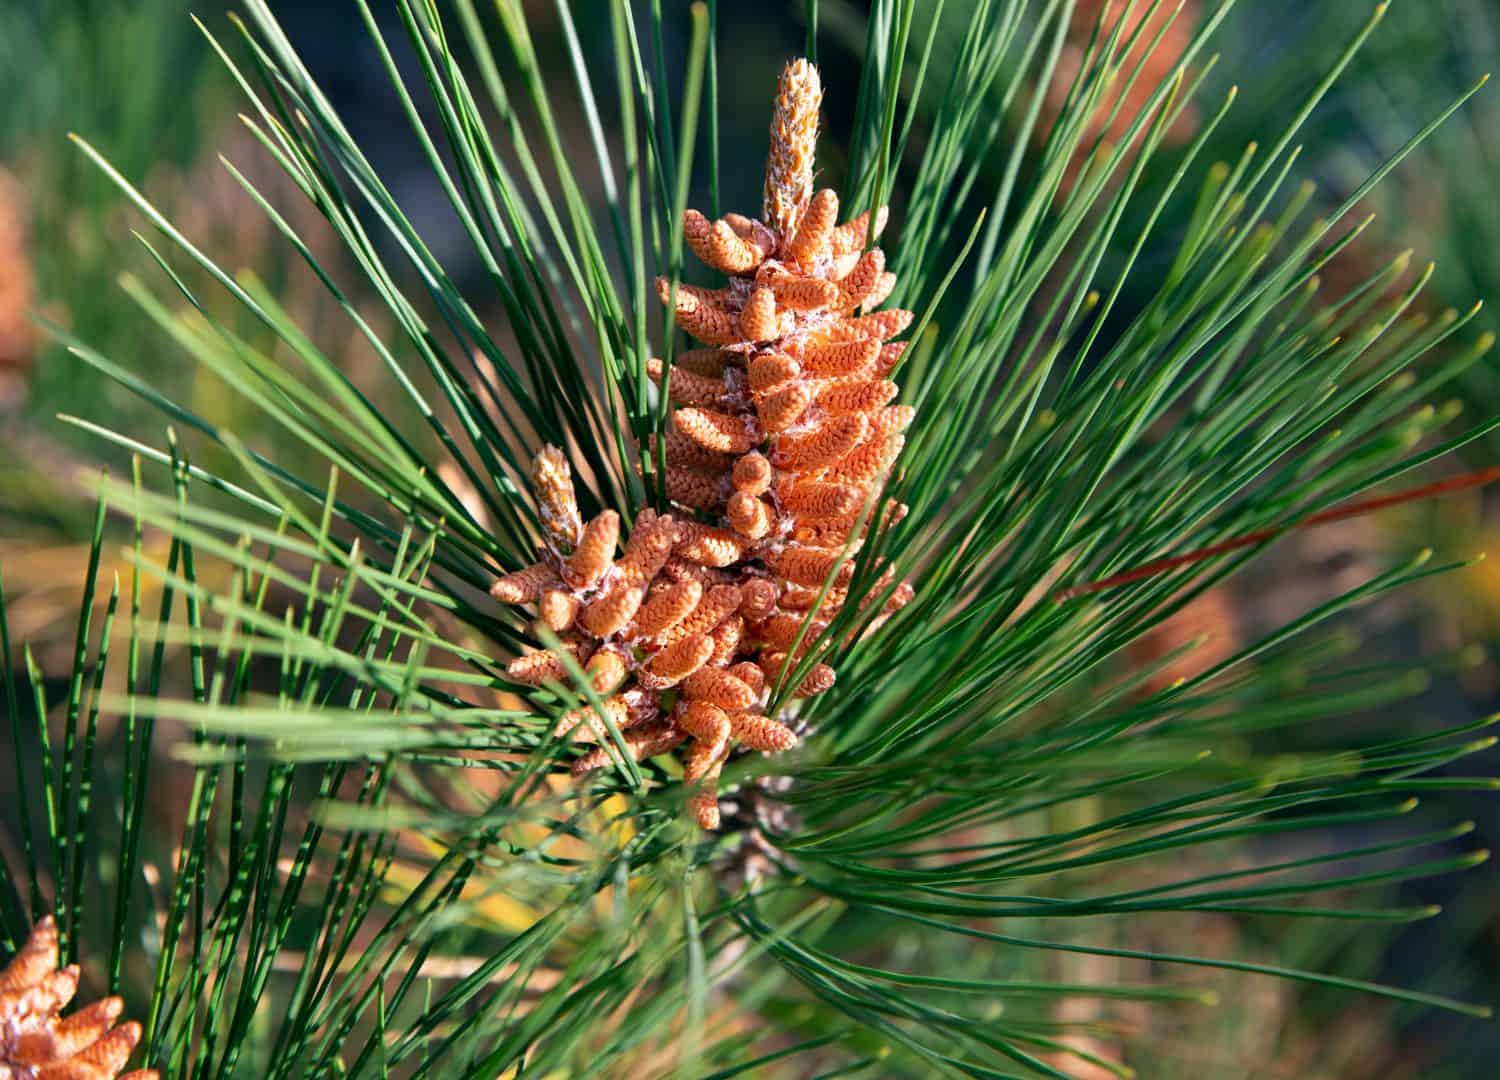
{"points": [[37, 1042]]}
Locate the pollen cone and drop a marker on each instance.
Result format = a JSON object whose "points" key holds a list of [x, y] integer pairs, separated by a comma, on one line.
{"points": [[37, 1042], [784, 430]]}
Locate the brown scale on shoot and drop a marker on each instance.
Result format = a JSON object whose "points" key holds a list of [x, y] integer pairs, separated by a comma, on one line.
{"points": [[37, 1042], [783, 430]]}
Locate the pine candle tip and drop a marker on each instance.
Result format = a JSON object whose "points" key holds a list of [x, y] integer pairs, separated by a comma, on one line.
{"points": [[794, 136], [557, 502]]}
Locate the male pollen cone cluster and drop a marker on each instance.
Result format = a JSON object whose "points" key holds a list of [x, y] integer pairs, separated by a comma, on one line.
{"points": [[37, 1042], [783, 430]]}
